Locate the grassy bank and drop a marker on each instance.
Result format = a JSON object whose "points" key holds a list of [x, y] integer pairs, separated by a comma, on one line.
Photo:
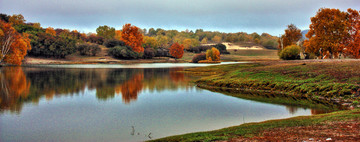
{"points": [[255, 131], [336, 80], [279, 98]]}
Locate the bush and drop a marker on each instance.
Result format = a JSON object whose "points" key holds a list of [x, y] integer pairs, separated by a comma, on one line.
{"points": [[162, 52], [198, 49], [88, 49], [95, 39], [225, 52], [291, 52], [198, 57], [204, 48], [220, 47], [149, 53], [310, 56], [213, 54], [194, 49], [51, 46], [123, 52], [110, 43]]}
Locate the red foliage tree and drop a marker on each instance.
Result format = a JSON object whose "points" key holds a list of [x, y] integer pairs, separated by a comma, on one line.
{"points": [[132, 37], [177, 50]]}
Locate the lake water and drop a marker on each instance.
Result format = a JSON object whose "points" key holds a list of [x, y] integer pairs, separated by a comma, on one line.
{"points": [[117, 104]]}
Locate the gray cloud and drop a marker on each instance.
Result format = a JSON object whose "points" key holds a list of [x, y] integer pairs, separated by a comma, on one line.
{"points": [[269, 16]]}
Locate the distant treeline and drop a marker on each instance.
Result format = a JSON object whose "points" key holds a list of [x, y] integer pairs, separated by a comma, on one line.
{"points": [[58, 43]]}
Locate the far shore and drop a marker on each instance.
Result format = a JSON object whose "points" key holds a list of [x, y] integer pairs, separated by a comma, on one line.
{"points": [[44, 61]]}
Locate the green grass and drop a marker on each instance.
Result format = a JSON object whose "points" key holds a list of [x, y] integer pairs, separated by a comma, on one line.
{"points": [[254, 129], [331, 79]]}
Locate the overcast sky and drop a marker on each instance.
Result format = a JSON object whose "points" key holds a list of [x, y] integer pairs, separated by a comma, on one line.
{"points": [[270, 16]]}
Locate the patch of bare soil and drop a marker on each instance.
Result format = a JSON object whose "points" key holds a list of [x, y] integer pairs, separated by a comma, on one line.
{"points": [[329, 131]]}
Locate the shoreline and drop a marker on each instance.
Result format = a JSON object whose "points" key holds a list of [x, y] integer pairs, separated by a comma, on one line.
{"points": [[330, 84], [320, 127], [263, 76]]}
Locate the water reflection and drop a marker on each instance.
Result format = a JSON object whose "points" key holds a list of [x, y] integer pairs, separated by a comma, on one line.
{"points": [[148, 103], [20, 85], [14, 87]]}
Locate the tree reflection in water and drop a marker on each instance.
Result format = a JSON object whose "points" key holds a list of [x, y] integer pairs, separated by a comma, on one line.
{"points": [[20, 85], [13, 88], [49, 82]]}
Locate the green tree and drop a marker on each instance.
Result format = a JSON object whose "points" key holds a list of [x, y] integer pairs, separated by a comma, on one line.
{"points": [[105, 32]]}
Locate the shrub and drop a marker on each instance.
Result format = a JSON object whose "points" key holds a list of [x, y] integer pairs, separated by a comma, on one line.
{"points": [[95, 39], [220, 47], [162, 52], [123, 52], [290, 53], [225, 52], [198, 57], [194, 49], [198, 49], [110, 43], [88, 49], [213, 54], [204, 48], [149, 53], [310, 56], [52, 46]]}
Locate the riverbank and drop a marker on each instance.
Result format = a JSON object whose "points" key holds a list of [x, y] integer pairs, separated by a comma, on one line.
{"points": [[96, 60], [103, 58], [311, 83], [336, 81]]}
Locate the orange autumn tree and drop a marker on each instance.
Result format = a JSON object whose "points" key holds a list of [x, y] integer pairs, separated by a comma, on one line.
{"points": [[291, 36], [353, 41], [13, 45], [328, 31], [50, 31], [177, 50], [132, 37]]}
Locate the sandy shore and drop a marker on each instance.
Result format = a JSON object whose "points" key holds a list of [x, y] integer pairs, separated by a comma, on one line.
{"points": [[230, 46]]}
